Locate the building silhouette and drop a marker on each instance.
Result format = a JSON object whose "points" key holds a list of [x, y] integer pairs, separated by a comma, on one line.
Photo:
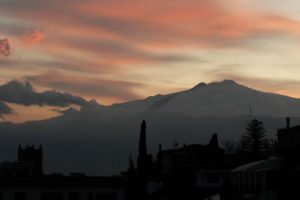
{"points": [[275, 178], [32, 155], [24, 179], [192, 158], [29, 163], [192, 171]]}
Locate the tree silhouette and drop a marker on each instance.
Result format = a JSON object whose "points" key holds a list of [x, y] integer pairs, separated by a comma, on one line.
{"points": [[254, 141]]}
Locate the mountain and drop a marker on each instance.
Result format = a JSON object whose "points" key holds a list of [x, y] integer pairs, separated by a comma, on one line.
{"points": [[98, 139], [226, 98]]}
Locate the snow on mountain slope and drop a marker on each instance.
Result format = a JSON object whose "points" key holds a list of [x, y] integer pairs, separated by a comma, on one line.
{"points": [[226, 98]]}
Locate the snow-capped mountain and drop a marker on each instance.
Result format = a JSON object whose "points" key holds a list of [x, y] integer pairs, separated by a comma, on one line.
{"points": [[226, 98]]}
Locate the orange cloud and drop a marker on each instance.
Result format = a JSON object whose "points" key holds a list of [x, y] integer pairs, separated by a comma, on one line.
{"points": [[202, 23], [199, 23], [33, 37]]}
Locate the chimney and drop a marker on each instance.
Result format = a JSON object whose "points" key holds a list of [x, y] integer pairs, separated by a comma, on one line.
{"points": [[287, 122]]}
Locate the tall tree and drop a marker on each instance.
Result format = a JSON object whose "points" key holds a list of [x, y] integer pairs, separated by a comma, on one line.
{"points": [[142, 156], [254, 141]]}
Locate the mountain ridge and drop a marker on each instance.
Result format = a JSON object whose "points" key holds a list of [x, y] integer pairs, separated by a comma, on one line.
{"points": [[216, 98]]}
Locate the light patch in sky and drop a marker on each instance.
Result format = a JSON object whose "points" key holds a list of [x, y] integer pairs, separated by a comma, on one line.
{"points": [[30, 113]]}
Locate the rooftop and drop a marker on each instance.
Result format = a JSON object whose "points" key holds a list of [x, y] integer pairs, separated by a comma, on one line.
{"points": [[262, 165]]}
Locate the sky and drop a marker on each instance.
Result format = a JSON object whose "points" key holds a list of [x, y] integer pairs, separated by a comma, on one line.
{"points": [[119, 50]]}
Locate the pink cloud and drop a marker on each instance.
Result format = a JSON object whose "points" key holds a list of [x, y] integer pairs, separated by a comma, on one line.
{"points": [[199, 23], [34, 37], [154, 23]]}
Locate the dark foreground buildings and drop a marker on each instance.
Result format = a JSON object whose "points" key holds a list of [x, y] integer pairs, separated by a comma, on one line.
{"points": [[276, 178], [29, 163], [189, 172], [204, 171], [24, 180]]}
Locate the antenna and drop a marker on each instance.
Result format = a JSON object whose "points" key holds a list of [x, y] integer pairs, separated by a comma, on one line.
{"points": [[175, 144], [112, 167], [250, 112]]}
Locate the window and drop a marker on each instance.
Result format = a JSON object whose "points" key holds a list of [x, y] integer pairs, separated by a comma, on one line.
{"points": [[213, 178], [105, 196], [90, 196], [74, 196], [52, 196], [20, 196]]}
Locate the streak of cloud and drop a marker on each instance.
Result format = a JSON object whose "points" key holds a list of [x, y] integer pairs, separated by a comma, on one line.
{"points": [[203, 22]]}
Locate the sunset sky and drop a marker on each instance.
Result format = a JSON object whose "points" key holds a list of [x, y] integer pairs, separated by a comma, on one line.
{"points": [[120, 50]]}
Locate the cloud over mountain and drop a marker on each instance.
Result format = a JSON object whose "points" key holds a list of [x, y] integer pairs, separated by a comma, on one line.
{"points": [[24, 93]]}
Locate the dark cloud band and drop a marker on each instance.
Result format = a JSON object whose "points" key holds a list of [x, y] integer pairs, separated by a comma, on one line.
{"points": [[23, 93]]}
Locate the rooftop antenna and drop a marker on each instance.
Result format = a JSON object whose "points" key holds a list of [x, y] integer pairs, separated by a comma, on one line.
{"points": [[112, 167], [175, 144], [250, 113]]}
